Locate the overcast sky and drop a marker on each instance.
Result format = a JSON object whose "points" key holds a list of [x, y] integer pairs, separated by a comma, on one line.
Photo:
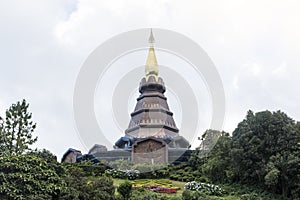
{"points": [[255, 46]]}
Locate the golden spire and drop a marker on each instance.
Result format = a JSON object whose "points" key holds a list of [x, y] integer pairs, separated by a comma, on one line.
{"points": [[151, 68]]}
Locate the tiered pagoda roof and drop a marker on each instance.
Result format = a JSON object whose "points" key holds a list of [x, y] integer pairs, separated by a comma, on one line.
{"points": [[152, 116]]}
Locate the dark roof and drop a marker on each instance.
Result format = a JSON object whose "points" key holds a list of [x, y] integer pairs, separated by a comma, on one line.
{"points": [[67, 153]]}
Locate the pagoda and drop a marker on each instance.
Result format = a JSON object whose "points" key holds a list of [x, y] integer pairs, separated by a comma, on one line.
{"points": [[152, 125], [152, 135]]}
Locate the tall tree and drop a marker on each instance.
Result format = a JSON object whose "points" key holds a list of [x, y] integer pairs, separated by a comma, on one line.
{"points": [[218, 165], [265, 151], [16, 129]]}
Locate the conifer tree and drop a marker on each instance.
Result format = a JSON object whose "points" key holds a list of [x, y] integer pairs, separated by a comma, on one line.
{"points": [[16, 129]]}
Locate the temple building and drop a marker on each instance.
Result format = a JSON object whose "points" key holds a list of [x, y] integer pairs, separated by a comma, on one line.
{"points": [[152, 116], [152, 135]]}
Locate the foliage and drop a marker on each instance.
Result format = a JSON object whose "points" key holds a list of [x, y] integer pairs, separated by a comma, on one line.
{"points": [[217, 167], [124, 169], [129, 174], [183, 172], [265, 152], [147, 170], [271, 179], [91, 169], [193, 195], [145, 195], [142, 170], [29, 176], [210, 188], [195, 160], [81, 186], [37, 175], [99, 189], [251, 196], [160, 185], [16, 129], [125, 189], [44, 154]]}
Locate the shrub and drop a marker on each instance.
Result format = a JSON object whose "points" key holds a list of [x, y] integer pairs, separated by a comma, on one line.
{"points": [[174, 177], [185, 178], [101, 188], [210, 188], [251, 196], [125, 189], [162, 173], [28, 175], [129, 174], [202, 179], [151, 170], [137, 195], [92, 170], [192, 195]]}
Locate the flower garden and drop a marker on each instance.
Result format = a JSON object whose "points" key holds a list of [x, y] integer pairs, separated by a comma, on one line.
{"points": [[160, 185]]}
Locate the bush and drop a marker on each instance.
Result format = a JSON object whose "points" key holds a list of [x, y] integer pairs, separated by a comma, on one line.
{"points": [[185, 178], [192, 195], [28, 175], [138, 195], [80, 186], [162, 173], [151, 170], [100, 189], [92, 170], [129, 174], [125, 189], [251, 196], [210, 188], [202, 179], [174, 177]]}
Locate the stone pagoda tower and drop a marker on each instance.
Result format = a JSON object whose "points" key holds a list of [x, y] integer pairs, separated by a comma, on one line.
{"points": [[152, 117]]}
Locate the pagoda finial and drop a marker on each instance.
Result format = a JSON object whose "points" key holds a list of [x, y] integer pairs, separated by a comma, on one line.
{"points": [[151, 37], [151, 68]]}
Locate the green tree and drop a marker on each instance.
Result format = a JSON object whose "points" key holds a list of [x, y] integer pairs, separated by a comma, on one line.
{"points": [[195, 161], [44, 154], [272, 177], [125, 189], [218, 164], [16, 129], [30, 177], [265, 151]]}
